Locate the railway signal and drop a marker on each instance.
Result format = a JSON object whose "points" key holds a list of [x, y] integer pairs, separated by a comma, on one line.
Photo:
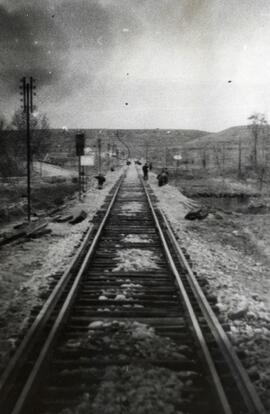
{"points": [[27, 88], [80, 142]]}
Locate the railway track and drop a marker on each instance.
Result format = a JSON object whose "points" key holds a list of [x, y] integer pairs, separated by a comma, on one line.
{"points": [[128, 316]]}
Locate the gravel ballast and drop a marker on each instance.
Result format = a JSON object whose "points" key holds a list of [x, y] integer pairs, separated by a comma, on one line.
{"points": [[28, 266], [239, 280]]}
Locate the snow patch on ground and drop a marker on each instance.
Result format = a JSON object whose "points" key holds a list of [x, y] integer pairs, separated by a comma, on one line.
{"points": [[124, 293], [171, 199], [237, 280], [132, 207], [123, 297], [28, 266], [132, 260], [134, 387], [131, 194], [135, 238]]}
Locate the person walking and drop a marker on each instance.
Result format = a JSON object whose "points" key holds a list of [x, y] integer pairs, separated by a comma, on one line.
{"points": [[145, 171], [100, 179]]}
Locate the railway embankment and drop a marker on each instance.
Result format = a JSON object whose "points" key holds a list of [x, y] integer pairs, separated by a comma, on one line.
{"points": [[229, 251], [28, 265], [117, 283], [222, 260]]}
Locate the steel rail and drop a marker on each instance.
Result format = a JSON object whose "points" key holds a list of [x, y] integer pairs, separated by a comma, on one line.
{"points": [[41, 319], [246, 388], [220, 394], [30, 385], [46, 311]]}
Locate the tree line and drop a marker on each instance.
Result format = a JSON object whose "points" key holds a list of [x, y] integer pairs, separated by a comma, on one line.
{"points": [[13, 141]]}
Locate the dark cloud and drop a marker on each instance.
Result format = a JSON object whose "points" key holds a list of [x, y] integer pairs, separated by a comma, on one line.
{"points": [[12, 25], [80, 52], [66, 44], [40, 38], [48, 39], [30, 44]]}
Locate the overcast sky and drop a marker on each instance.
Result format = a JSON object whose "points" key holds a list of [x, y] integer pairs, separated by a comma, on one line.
{"points": [[200, 64]]}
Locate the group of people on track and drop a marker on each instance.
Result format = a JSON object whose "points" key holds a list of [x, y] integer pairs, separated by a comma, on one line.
{"points": [[163, 176]]}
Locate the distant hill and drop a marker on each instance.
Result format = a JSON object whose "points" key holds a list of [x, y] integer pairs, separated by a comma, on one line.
{"points": [[227, 150], [136, 139], [200, 150], [227, 136], [61, 143]]}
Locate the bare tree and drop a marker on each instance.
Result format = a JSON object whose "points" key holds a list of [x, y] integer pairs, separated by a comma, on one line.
{"points": [[4, 155], [39, 125], [257, 127], [3, 122]]}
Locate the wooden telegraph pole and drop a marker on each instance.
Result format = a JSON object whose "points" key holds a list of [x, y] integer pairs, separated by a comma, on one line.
{"points": [[80, 143], [165, 156], [239, 158], [99, 154], [146, 150], [27, 88]]}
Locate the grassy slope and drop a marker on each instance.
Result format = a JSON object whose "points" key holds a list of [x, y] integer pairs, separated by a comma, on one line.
{"points": [[134, 138], [229, 135]]}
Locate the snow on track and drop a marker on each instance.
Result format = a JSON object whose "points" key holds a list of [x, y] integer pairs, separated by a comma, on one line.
{"points": [[132, 260]]}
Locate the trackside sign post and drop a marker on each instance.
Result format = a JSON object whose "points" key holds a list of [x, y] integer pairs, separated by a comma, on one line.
{"points": [[178, 158], [88, 160]]}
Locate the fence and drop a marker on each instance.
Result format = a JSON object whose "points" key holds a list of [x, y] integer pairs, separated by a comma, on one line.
{"points": [[219, 158]]}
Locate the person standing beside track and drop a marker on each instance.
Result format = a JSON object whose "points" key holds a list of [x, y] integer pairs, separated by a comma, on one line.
{"points": [[145, 171], [166, 178], [163, 177], [100, 179]]}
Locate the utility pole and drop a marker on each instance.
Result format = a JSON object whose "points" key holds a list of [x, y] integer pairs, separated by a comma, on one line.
{"points": [[146, 151], [27, 88], [80, 144], [99, 154], [165, 156], [223, 159], [117, 156], [80, 177], [239, 158], [109, 154]]}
